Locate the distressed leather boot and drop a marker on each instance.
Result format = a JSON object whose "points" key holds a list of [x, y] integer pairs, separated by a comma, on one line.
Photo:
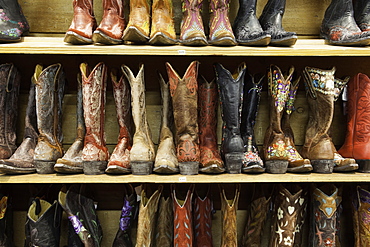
{"points": [[112, 25], [164, 229], [22, 162], [229, 207], [184, 94], [6, 221], [360, 209], [210, 159], [43, 223], [192, 29], [94, 153], [252, 162], [119, 161], [339, 26], [147, 216], [9, 92], [271, 22], [71, 162], [361, 10], [142, 153], [230, 89], [220, 31], [137, 30], [324, 215], [183, 230], [83, 24], [247, 28], [163, 27], [166, 159], [12, 21], [50, 83]]}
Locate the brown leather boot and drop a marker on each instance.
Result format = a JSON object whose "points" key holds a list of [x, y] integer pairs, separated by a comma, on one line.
{"points": [[119, 161], [166, 160], [50, 84], [210, 158], [163, 28], [229, 207], [360, 209], [164, 228], [9, 91], [142, 153], [83, 23], [137, 30], [95, 153], [184, 93], [110, 29]]}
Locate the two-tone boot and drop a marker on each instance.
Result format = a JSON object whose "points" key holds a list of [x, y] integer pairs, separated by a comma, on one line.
{"points": [[94, 153], [162, 30], [361, 214], [252, 162], [6, 221], [112, 25], [71, 162], [138, 26], [83, 24], [184, 94], [339, 26], [220, 31], [50, 83], [164, 229], [12, 21], [210, 158], [361, 10], [119, 161], [230, 89], [247, 29], [166, 159], [192, 29], [142, 153]]}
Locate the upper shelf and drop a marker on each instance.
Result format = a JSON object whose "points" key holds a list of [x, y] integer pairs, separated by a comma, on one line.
{"points": [[55, 45]]}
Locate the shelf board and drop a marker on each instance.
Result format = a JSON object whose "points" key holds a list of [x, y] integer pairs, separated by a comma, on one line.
{"points": [[55, 45], [201, 178]]}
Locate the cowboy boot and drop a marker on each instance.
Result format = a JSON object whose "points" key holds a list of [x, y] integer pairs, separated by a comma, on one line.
{"points": [[166, 160], [275, 149], [360, 209], [229, 207], [163, 28], [202, 215], [147, 217], [356, 140], [137, 29], [110, 29], [9, 91], [271, 22], [230, 89], [6, 221], [192, 30], [83, 23], [94, 153], [299, 235], [339, 27], [21, 162], [142, 153], [71, 162], [247, 28], [361, 10], [220, 31], [119, 162], [50, 84], [183, 217], [210, 159], [13, 23], [184, 94], [325, 203], [252, 163], [164, 229]]}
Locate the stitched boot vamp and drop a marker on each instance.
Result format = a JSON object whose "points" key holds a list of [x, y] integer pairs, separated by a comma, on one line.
{"points": [[113, 22], [83, 22], [220, 31], [121, 154], [192, 25], [164, 229], [162, 19], [139, 17]]}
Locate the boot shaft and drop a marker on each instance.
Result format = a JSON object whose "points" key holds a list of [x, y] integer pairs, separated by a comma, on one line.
{"points": [[340, 12], [164, 229], [229, 207], [360, 207], [203, 210], [84, 6], [272, 14], [30, 122], [361, 12], [115, 6]]}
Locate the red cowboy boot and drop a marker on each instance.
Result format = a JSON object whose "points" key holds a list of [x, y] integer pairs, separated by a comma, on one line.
{"points": [[203, 210]]}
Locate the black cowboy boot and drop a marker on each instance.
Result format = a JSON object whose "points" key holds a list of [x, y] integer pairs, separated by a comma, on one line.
{"points": [[362, 14], [13, 23]]}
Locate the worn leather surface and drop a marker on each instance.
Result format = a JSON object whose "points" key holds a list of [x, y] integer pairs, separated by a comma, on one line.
{"points": [[162, 19], [219, 22], [113, 22], [203, 210], [192, 24], [229, 207], [83, 22], [140, 16], [164, 228], [362, 10]]}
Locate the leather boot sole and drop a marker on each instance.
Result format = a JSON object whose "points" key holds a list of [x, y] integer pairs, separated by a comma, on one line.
{"points": [[115, 169], [10, 169], [323, 166], [161, 39], [101, 38], [277, 166], [189, 168], [75, 39], [288, 41], [234, 162], [253, 169], [134, 35], [64, 168], [212, 169], [225, 41], [141, 167], [260, 41], [94, 167], [165, 169], [197, 41], [44, 167]]}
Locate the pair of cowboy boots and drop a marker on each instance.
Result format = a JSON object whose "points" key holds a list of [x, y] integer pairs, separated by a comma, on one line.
{"points": [[267, 29], [361, 214], [323, 89], [280, 153], [84, 28], [346, 23], [13, 23]]}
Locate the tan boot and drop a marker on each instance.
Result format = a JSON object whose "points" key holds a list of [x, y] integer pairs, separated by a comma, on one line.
{"points": [[164, 229], [137, 30], [163, 27], [229, 207]]}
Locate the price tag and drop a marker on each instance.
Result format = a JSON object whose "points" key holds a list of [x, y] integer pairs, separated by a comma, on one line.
{"points": [[181, 52], [182, 179]]}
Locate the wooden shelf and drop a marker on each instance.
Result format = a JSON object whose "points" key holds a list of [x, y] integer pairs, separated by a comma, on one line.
{"points": [[55, 45]]}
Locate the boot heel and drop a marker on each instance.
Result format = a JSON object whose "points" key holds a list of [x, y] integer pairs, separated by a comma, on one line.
{"points": [[363, 165], [189, 168], [234, 162], [94, 167], [323, 166], [141, 167], [277, 166], [44, 167]]}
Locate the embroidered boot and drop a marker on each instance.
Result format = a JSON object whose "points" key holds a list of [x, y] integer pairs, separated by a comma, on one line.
{"points": [[13, 23], [210, 159], [137, 30], [142, 153], [192, 30], [184, 94], [163, 28], [361, 10], [164, 229], [6, 221], [229, 207], [230, 88], [95, 153], [360, 208], [83, 23], [119, 161]]}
